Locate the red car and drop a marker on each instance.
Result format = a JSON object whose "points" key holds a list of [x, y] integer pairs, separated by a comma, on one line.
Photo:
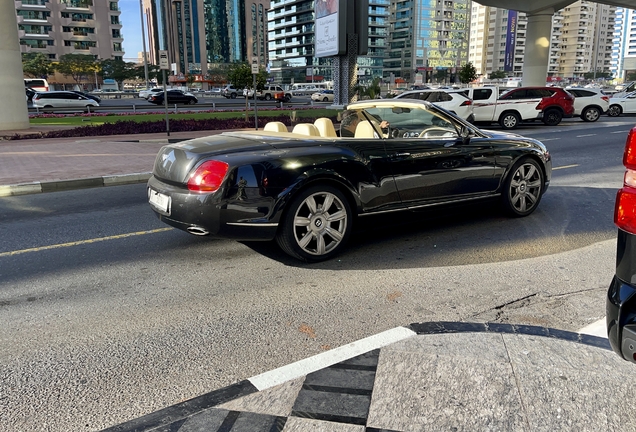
{"points": [[556, 103]]}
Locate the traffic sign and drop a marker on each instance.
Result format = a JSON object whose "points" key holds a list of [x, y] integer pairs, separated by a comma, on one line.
{"points": [[255, 65], [163, 60]]}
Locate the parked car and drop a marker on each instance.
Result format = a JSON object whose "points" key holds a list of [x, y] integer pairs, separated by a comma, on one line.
{"points": [[146, 93], [589, 103], [29, 93], [88, 95], [174, 97], [622, 105], [323, 96], [306, 188], [231, 92], [620, 304], [62, 99], [456, 103], [554, 103], [274, 92]]}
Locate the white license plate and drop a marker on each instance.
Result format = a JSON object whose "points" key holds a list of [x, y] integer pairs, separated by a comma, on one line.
{"points": [[159, 201]]}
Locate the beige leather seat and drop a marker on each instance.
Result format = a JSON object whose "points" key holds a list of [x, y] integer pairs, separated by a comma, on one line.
{"points": [[325, 127], [275, 127], [306, 129], [365, 130]]}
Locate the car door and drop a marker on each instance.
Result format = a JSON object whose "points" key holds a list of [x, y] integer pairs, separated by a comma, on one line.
{"points": [[431, 163], [484, 104], [629, 104]]}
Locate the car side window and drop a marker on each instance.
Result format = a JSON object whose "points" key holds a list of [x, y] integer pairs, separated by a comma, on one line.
{"points": [[444, 97], [482, 94]]}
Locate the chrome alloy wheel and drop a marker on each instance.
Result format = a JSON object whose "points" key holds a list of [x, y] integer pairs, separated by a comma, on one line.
{"points": [[525, 187], [320, 223]]}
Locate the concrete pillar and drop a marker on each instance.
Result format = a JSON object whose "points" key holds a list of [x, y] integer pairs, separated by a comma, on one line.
{"points": [[13, 109], [535, 60]]}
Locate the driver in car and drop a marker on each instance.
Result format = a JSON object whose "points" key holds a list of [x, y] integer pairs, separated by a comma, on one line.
{"points": [[350, 120]]}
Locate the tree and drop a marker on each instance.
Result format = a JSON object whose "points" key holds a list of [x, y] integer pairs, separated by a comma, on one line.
{"points": [[154, 73], [370, 92], [77, 66], [190, 79], [597, 75], [467, 73], [36, 65], [117, 70], [440, 75], [498, 74]]}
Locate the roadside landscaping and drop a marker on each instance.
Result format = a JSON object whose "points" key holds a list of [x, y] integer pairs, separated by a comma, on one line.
{"points": [[118, 124]]}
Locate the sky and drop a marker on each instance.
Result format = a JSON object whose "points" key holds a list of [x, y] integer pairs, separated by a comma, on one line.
{"points": [[131, 28]]}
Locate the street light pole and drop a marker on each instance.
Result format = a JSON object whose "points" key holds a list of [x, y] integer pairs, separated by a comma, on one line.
{"points": [[143, 40]]}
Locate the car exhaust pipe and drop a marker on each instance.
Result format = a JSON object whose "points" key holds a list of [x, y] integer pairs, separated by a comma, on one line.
{"points": [[198, 231]]}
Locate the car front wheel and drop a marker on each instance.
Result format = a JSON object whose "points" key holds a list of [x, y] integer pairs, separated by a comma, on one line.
{"points": [[552, 117], [316, 224], [233, 95], [590, 114], [523, 188], [614, 111]]}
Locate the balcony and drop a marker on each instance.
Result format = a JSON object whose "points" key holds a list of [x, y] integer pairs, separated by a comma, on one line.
{"points": [[34, 4]]}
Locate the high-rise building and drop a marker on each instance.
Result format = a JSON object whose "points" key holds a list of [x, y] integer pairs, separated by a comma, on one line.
{"points": [[291, 43], [200, 32], [427, 36], [580, 44], [623, 62], [58, 27]]}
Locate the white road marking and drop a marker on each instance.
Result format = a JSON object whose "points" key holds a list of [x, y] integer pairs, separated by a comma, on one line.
{"points": [[564, 167], [597, 328], [312, 364], [620, 132], [581, 136]]}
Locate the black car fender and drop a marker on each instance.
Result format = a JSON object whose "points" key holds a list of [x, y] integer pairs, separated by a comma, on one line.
{"points": [[311, 178]]}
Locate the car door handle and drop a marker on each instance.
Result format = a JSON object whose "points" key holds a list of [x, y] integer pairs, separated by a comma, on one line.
{"points": [[400, 155]]}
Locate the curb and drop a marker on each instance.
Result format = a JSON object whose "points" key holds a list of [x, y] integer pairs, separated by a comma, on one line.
{"points": [[175, 414], [65, 185]]}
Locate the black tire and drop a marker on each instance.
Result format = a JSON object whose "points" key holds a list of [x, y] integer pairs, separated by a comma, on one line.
{"points": [[614, 110], [552, 117], [192, 101], [591, 114], [268, 97], [523, 188], [325, 99], [318, 234], [287, 98], [509, 120], [233, 96]]}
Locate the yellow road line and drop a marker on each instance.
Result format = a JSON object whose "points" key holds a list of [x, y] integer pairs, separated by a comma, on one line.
{"points": [[82, 242]]}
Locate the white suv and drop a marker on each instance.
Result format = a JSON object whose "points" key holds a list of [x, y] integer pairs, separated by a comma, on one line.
{"points": [[589, 103], [231, 92], [457, 103]]}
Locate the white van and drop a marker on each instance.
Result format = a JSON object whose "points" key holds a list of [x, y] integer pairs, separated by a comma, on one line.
{"points": [[37, 84], [62, 99]]}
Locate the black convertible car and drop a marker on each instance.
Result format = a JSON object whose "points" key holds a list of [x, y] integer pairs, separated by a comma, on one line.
{"points": [[306, 188]]}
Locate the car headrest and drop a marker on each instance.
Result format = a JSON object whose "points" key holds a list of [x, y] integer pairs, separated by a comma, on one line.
{"points": [[365, 130], [275, 127], [325, 127], [306, 129]]}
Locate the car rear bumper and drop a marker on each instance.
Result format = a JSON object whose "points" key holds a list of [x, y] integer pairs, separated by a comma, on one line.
{"points": [[210, 214], [620, 309]]}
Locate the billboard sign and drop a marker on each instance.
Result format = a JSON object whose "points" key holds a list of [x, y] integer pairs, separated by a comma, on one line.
{"points": [[511, 40], [330, 28]]}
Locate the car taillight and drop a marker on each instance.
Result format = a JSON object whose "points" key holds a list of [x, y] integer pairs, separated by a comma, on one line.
{"points": [[625, 208], [208, 176], [466, 103], [605, 98]]}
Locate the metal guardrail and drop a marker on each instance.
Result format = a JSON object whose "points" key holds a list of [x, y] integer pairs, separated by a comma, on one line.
{"points": [[175, 108]]}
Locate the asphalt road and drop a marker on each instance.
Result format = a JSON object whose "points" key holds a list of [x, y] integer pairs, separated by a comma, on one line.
{"points": [[107, 314]]}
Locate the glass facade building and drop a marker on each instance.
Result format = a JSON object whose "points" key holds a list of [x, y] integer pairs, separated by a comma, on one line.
{"points": [[291, 43], [427, 36]]}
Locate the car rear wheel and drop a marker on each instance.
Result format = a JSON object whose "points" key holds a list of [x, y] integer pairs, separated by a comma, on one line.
{"points": [[316, 224], [233, 95], [552, 117], [614, 111], [590, 114], [192, 101], [325, 99], [268, 97], [509, 120], [523, 188]]}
